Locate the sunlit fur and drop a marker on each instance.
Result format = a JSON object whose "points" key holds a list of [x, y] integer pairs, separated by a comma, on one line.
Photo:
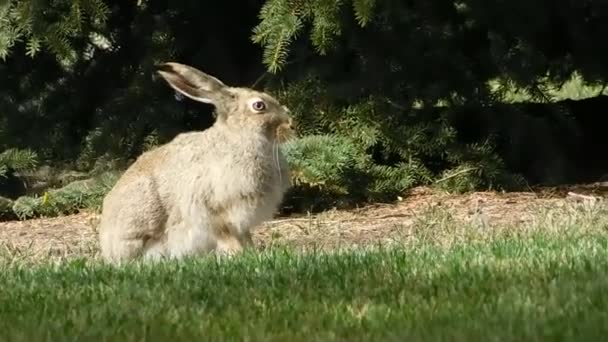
{"points": [[203, 191]]}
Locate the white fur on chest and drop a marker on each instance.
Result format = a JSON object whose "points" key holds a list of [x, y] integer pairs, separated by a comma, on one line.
{"points": [[245, 180]]}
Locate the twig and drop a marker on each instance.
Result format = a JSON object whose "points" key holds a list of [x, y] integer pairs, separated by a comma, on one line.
{"points": [[456, 174], [396, 105], [582, 197], [289, 220], [259, 79]]}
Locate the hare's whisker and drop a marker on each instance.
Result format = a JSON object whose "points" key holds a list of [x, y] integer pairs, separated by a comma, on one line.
{"points": [[275, 156]]}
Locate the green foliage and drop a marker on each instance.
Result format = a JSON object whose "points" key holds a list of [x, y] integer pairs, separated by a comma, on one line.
{"points": [[329, 168], [396, 75], [283, 20], [387, 75], [325, 162], [477, 166], [17, 160], [375, 151], [469, 292], [85, 194], [109, 104], [39, 24], [364, 11], [6, 208], [277, 40]]}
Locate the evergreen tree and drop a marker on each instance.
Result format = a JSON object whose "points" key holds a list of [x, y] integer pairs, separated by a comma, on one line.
{"points": [[396, 75], [53, 26], [387, 93]]}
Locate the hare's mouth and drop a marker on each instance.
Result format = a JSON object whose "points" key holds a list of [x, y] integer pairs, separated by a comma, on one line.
{"points": [[284, 132]]}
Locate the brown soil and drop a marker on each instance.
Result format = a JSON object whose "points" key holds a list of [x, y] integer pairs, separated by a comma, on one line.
{"points": [[370, 225]]}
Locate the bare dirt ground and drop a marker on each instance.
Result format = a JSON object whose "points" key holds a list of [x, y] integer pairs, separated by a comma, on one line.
{"points": [[370, 225]]}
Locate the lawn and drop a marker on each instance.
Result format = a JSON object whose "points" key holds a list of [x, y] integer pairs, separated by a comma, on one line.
{"points": [[539, 287]]}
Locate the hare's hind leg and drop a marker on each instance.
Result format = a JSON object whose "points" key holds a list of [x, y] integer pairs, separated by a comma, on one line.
{"points": [[188, 234], [132, 219], [116, 250]]}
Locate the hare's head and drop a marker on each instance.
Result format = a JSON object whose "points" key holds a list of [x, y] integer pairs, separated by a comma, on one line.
{"points": [[235, 106]]}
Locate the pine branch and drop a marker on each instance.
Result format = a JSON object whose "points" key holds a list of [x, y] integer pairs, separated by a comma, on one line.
{"points": [[364, 11], [19, 160], [28, 21], [280, 25], [456, 174]]}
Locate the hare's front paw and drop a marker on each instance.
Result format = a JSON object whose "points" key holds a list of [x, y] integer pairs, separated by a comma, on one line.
{"points": [[231, 245], [228, 246]]}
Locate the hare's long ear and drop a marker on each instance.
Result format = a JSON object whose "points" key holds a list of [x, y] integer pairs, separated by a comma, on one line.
{"points": [[192, 82]]}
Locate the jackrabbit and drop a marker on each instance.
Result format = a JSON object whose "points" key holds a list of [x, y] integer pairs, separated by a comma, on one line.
{"points": [[203, 191]]}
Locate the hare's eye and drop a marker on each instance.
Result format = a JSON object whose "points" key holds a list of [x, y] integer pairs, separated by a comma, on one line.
{"points": [[258, 106]]}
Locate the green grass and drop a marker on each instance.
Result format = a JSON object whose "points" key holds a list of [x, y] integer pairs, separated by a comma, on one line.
{"points": [[542, 287]]}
